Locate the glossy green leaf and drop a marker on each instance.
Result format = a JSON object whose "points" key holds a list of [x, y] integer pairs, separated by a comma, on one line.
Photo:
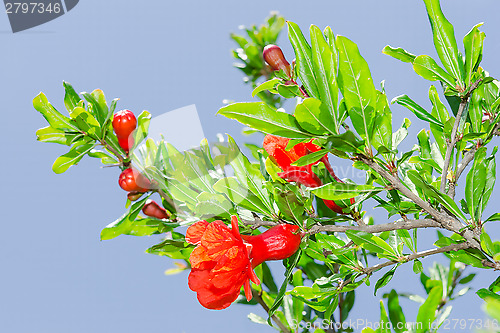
{"points": [[444, 40], [399, 54], [346, 142], [213, 204], [371, 242], [382, 129], [427, 68], [356, 85], [427, 311], [314, 117], [396, 314], [50, 134], [384, 280], [53, 117], [325, 70], [430, 191], [487, 244], [264, 118], [76, 153], [419, 111], [339, 191], [71, 98], [475, 184], [268, 85], [441, 114], [473, 44], [304, 62], [239, 195]]}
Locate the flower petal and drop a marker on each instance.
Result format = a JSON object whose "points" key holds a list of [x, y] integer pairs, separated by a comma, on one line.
{"points": [[195, 232]]}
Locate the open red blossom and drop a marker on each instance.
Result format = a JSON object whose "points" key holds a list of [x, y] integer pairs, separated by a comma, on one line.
{"points": [[223, 260], [276, 148]]}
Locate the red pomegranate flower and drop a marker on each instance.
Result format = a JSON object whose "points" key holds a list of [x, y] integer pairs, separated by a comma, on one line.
{"points": [[276, 148], [223, 260]]}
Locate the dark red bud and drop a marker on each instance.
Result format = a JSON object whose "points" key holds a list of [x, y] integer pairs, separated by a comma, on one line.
{"points": [[134, 195], [275, 58], [152, 209]]}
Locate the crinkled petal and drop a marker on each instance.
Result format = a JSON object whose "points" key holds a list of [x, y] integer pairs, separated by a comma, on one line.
{"points": [[200, 260], [195, 232], [218, 240], [208, 295]]}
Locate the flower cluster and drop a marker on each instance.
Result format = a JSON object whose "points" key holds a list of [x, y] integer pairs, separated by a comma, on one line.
{"points": [[275, 146], [223, 260]]}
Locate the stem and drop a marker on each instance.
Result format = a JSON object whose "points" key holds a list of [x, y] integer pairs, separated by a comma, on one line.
{"points": [[442, 218], [468, 157], [166, 198], [258, 298], [453, 140], [376, 228], [113, 150]]}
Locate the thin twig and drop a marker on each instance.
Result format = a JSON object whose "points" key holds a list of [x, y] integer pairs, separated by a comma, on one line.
{"points": [[258, 298], [411, 257], [113, 150], [453, 140], [376, 228], [166, 198], [444, 219], [468, 157]]}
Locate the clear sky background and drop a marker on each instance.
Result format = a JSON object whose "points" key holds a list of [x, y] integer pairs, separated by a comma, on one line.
{"points": [[56, 276]]}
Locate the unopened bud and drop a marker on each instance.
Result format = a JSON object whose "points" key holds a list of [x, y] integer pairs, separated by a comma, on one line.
{"points": [[275, 58], [152, 209]]}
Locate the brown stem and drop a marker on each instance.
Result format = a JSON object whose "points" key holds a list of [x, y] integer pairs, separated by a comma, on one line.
{"points": [[376, 228], [453, 140], [258, 297], [468, 157], [113, 150]]}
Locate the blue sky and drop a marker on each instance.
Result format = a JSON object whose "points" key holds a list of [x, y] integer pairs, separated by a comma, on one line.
{"points": [[159, 56]]}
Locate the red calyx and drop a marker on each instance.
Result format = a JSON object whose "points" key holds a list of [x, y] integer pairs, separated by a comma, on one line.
{"points": [[124, 124], [273, 55], [152, 209], [277, 243], [134, 195], [131, 180]]}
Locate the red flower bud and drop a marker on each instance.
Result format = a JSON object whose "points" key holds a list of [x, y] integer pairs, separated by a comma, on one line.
{"points": [[131, 180], [124, 124], [126, 143], [223, 260], [277, 243], [152, 209], [275, 58]]}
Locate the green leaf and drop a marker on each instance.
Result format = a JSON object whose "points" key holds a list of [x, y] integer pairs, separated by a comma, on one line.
{"points": [[475, 184], [325, 70], [54, 118], [417, 266], [427, 68], [213, 204], [382, 129], [346, 142], [265, 118], [240, 195], [439, 112], [304, 61], [98, 105], [71, 98], [427, 311], [371, 243], [310, 158], [76, 153], [485, 294], [430, 191], [407, 239], [50, 134], [419, 111], [396, 314], [384, 320], [313, 117], [473, 44], [357, 87], [494, 217], [493, 307], [399, 54], [268, 85], [340, 191], [288, 203], [384, 280], [444, 40], [487, 244]]}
